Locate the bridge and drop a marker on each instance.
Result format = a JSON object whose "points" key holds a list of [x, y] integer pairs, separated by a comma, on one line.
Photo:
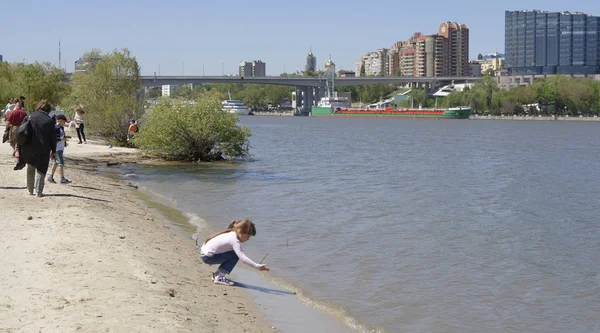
{"points": [[150, 80], [309, 90]]}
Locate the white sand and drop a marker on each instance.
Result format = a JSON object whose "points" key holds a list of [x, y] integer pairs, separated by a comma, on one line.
{"points": [[90, 257]]}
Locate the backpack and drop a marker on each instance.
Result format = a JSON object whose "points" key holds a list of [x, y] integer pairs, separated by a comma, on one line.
{"points": [[24, 132]]}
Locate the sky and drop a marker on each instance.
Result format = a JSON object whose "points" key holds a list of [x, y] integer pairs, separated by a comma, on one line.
{"points": [[202, 37]]}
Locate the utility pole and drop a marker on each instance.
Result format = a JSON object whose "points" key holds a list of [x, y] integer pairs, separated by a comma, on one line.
{"points": [[59, 55], [202, 69], [223, 69], [158, 69]]}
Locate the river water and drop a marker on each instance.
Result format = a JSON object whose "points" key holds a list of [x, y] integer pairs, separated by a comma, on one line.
{"points": [[402, 225]]}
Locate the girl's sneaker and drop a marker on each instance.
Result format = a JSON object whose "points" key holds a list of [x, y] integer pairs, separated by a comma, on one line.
{"points": [[51, 180], [220, 279], [63, 180]]}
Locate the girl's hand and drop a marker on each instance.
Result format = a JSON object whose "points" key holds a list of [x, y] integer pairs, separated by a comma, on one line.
{"points": [[263, 267]]}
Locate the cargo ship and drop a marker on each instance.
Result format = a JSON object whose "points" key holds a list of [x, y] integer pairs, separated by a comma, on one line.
{"points": [[461, 112]]}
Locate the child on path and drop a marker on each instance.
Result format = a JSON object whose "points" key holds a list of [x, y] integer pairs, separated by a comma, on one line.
{"points": [[80, 123], [225, 248], [61, 143]]}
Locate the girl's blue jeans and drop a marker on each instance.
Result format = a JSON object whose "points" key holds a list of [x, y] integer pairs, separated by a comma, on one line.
{"points": [[227, 261]]}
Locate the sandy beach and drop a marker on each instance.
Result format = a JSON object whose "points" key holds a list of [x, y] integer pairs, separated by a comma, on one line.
{"points": [[92, 257]]}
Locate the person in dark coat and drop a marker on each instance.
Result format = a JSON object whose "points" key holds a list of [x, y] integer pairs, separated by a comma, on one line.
{"points": [[37, 151]]}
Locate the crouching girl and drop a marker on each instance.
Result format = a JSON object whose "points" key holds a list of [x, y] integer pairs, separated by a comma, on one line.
{"points": [[225, 249]]}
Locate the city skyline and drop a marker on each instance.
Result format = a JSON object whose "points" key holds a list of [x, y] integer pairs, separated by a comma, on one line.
{"points": [[188, 37]]}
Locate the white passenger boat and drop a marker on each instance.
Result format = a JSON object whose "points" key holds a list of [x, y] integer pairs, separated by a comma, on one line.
{"points": [[236, 107]]}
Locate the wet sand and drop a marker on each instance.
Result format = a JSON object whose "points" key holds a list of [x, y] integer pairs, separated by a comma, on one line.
{"points": [[91, 256]]}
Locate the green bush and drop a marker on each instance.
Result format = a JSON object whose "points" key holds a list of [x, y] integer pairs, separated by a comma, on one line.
{"points": [[175, 129]]}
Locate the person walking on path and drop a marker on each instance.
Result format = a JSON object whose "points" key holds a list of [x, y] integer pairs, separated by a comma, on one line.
{"points": [[10, 106], [13, 120], [38, 148], [225, 248], [80, 123], [61, 143]]}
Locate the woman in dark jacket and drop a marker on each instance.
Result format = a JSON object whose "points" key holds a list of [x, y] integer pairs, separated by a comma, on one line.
{"points": [[39, 148]]}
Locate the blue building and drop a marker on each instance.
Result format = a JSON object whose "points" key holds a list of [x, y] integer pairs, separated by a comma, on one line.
{"points": [[540, 42]]}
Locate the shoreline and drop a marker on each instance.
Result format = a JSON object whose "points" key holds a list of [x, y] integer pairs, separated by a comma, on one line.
{"points": [[530, 118], [291, 311], [93, 256]]}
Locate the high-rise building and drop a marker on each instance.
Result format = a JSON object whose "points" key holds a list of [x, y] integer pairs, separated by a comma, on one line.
{"points": [[254, 68], [259, 68], [540, 42], [0, 58], [456, 49], [373, 64], [430, 56], [311, 62], [245, 68]]}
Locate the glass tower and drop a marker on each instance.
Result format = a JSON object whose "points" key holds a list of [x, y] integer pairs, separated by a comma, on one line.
{"points": [[539, 42]]}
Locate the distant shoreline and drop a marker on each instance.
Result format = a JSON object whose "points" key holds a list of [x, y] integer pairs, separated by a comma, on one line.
{"points": [[531, 118], [285, 114]]}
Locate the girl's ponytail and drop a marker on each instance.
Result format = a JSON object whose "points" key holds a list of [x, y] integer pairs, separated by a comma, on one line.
{"points": [[229, 229], [245, 226], [232, 224]]}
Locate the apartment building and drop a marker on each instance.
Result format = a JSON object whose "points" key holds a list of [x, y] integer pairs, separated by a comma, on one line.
{"points": [[255, 68], [429, 56], [374, 63], [443, 54], [168, 89], [456, 57]]}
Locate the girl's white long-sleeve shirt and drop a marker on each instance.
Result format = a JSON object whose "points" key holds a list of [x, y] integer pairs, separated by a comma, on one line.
{"points": [[227, 242], [79, 118]]}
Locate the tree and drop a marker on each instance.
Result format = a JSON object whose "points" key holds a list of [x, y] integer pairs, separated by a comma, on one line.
{"points": [[154, 93], [489, 72], [185, 92], [480, 56], [362, 69], [35, 82], [110, 92], [276, 94], [200, 131], [254, 97], [419, 97]]}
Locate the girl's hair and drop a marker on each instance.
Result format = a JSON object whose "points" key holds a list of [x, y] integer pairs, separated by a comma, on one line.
{"points": [[44, 105], [79, 109], [244, 226]]}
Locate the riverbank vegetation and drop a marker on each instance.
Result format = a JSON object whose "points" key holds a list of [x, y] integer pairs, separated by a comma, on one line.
{"points": [[558, 95], [35, 81], [199, 130]]}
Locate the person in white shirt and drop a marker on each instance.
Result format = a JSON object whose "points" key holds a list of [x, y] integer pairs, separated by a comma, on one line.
{"points": [[225, 248], [9, 107], [80, 123]]}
